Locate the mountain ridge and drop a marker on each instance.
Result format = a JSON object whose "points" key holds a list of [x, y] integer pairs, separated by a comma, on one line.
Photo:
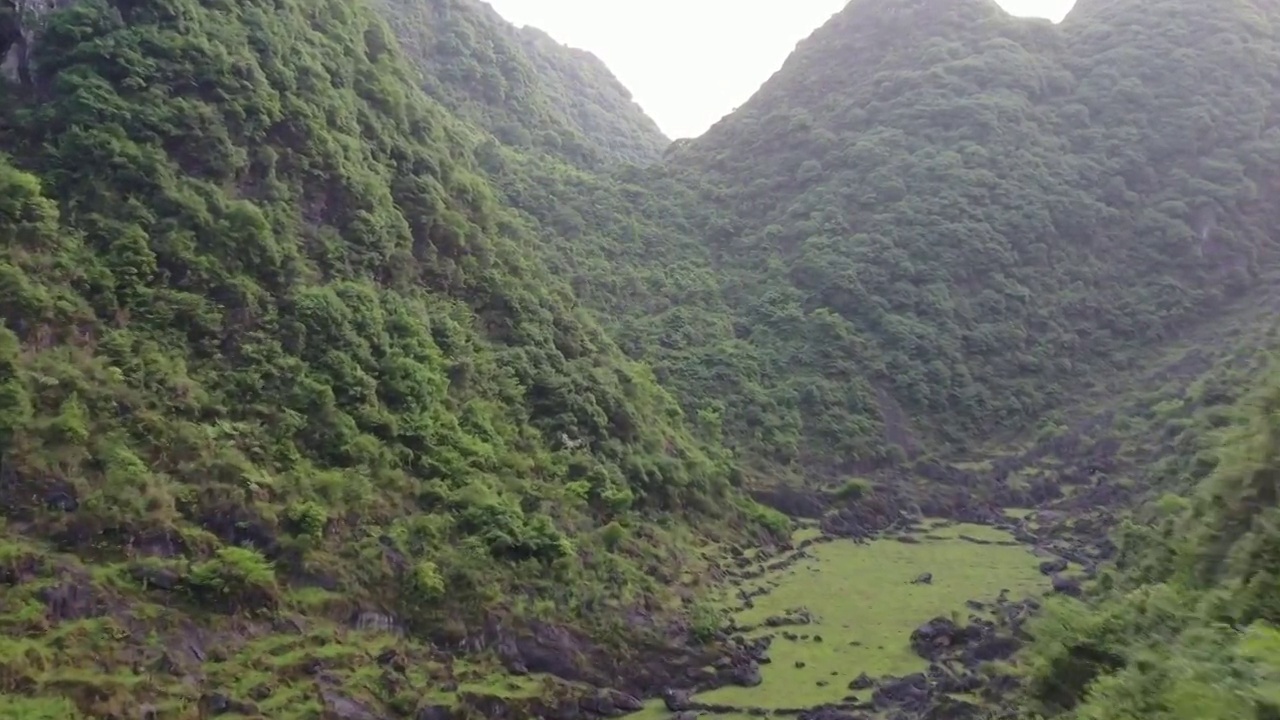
{"points": [[523, 86]]}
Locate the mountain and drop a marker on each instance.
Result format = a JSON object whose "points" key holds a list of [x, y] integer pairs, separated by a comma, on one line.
{"points": [[383, 360], [994, 210], [521, 85], [932, 225], [271, 348]]}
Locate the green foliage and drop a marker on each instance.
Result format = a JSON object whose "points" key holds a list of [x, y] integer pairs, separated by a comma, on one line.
{"points": [[530, 91], [962, 227], [1185, 625], [239, 576], [853, 489], [776, 523], [427, 581], [265, 315], [705, 620], [613, 535], [277, 315], [938, 244], [308, 519]]}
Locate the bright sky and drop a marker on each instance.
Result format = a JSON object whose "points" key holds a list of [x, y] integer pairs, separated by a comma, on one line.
{"points": [[690, 62]]}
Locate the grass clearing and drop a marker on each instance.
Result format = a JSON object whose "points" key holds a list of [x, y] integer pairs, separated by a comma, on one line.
{"points": [[866, 607]]}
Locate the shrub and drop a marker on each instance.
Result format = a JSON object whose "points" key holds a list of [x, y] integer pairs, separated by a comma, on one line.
{"points": [[427, 582], [236, 578], [307, 519], [854, 489], [612, 535], [705, 621]]}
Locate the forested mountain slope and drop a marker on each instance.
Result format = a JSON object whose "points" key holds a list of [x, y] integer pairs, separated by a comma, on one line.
{"points": [[353, 355], [1184, 624], [270, 345], [935, 222], [523, 86], [992, 210]]}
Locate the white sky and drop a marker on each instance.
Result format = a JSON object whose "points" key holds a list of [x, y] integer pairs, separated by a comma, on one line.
{"points": [[690, 62]]}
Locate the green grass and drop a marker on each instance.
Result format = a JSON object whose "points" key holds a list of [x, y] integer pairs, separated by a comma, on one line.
{"points": [[657, 710], [867, 607]]}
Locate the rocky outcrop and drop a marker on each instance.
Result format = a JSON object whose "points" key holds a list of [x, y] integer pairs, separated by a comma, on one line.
{"points": [[21, 22]]}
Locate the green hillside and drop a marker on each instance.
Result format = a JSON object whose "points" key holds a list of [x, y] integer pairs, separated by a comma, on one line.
{"points": [[527, 89], [940, 243], [996, 210], [1184, 625], [381, 360], [271, 346]]}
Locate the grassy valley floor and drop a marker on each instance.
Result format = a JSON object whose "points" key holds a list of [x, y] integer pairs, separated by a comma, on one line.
{"points": [[862, 602]]}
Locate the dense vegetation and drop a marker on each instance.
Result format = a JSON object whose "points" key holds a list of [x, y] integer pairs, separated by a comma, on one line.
{"points": [[990, 209], [327, 310], [266, 329], [1185, 623], [531, 92], [932, 224]]}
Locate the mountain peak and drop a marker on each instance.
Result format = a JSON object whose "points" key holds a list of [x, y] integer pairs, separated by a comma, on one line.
{"points": [[920, 14]]}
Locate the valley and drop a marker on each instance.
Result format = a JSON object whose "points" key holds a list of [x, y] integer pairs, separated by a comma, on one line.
{"points": [[380, 360]]}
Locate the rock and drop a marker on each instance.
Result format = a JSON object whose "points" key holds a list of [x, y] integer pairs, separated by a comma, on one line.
{"points": [[238, 525], [1053, 567], [392, 659], [947, 708], [746, 675], [20, 34], [434, 712], [959, 684], [72, 600], [902, 691], [153, 577], [375, 622], [340, 707], [936, 635], [800, 617], [828, 713], [214, 704], [159, 543], [1066, 585], [678, 700], [61, 502], [610, 703], [923, 579], [862, 682], [993, 648]]}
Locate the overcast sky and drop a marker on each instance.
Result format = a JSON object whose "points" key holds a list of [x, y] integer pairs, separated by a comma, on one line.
{"points": [[690, 62]]}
